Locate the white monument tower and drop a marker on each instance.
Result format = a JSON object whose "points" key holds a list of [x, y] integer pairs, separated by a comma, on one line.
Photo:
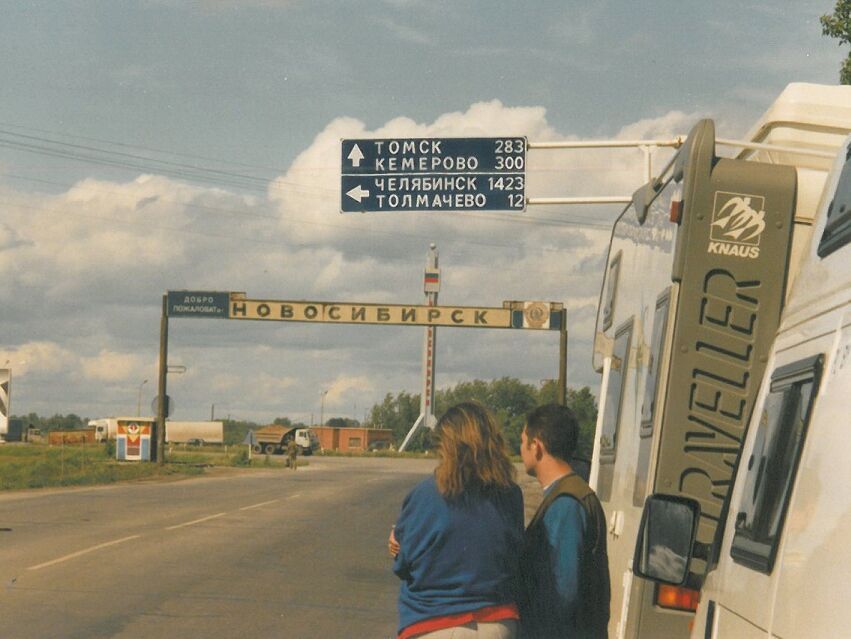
{"points": [[431, 287]]}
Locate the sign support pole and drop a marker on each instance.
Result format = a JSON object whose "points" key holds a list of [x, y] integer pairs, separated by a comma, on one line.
{"points": [[161, 396], [236, 306], [562, 360], [431, 287]]}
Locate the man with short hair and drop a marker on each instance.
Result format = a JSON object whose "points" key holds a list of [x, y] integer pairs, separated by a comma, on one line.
{"points": [[564, 571], [292, 452]]}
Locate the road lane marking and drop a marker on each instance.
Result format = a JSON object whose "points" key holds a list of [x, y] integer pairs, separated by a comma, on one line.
{"points": [[294, 496], [196, 521], [83, 552], [262, 503]]}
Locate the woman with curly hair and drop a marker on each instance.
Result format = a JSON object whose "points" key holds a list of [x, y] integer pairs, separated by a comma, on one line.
{"points": [[457, 539]]}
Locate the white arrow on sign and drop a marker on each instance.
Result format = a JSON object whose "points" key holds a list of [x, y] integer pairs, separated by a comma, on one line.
{"points": [[356, 155], [357, 193]]}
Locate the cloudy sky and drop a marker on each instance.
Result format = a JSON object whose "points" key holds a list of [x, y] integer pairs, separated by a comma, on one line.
{"points": [[170, 144]]}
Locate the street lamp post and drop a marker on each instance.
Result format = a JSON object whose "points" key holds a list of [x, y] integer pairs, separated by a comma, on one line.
{"points": [[139, 402], [322, 407]]}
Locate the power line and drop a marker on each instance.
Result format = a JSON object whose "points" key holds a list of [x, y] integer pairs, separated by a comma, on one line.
{"points": [[137, 163], [118, 159], [134, 161], [500, 217], [275, 170], [276, 243]]}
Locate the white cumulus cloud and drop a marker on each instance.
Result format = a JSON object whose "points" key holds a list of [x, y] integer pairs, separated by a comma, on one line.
{"points": [[109, 366], [37, 357], [86, 269]]}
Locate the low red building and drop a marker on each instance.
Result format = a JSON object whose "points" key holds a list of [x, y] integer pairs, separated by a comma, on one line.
{"points": [[356, 438]]}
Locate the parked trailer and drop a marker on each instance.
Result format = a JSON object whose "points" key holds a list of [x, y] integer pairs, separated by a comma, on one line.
{"points": [[210, 432], [206, 432], [16, 430], [107, 427], [687, 318], [273, 440]]}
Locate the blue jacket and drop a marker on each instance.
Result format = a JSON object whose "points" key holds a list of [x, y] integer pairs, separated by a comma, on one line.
{"points": [[456, 556]]}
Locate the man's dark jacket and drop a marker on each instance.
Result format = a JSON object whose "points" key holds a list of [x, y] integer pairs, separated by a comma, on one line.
{"points": [[592, 610]]}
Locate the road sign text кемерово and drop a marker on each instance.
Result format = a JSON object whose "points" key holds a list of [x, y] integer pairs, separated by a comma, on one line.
{"points": [[425, 174]]}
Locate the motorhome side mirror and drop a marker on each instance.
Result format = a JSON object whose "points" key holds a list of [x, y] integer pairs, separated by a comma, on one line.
{"points": [[665, 543], [641, 200]]}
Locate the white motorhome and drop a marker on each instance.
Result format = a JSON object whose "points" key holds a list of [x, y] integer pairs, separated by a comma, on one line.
{"points": [[699, 269], [778, 565]]}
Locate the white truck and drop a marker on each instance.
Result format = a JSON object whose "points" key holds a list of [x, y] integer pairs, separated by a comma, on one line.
{"points": [[777, 566], [107, 427], [273, 440], [203, 432]]}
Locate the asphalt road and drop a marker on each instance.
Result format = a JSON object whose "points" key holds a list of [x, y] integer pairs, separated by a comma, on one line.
{"points": [[252, 554]]}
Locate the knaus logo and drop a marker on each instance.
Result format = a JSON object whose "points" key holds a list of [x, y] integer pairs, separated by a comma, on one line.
{"points": [[738, 221]]}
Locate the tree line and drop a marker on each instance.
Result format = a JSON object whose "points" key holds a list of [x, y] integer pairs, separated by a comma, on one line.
{"points": [[509, 399], [56, 422]]}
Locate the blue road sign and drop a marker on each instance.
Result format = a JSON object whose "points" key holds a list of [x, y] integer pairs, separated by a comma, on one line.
{"points": [[214, 304], [434, 174]]}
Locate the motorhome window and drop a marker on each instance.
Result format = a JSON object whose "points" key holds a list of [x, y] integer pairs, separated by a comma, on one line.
{"points": [[612, 410], [648, 406], [657, 341], [612, 276], [837, 230], [773, 463]]}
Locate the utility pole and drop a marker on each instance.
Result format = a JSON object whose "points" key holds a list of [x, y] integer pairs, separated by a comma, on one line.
{"points": [[139, 399], [562, 360], [322, 407], [431, 287], [162, 398]]}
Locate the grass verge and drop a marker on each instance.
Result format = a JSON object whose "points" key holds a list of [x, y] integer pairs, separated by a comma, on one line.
{"points": [[41, 466]]}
